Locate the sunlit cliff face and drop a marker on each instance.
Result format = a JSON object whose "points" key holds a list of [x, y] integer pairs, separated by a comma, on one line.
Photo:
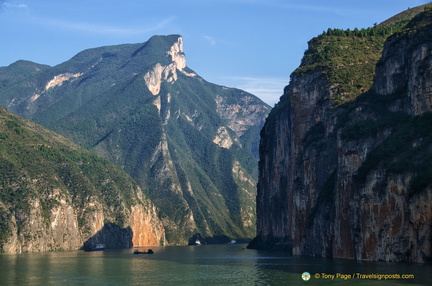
{"points": [[154, 77]]}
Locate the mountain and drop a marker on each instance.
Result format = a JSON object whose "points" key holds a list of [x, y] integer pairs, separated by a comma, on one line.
{"points": [[55, 195], [192, 146], [345, 156]]}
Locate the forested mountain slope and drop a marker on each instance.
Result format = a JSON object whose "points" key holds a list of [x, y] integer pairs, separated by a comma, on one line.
{"points": [[191, 145], [55, 195]]}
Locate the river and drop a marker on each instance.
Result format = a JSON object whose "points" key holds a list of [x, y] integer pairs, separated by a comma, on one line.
{"points": [[201, 265]]}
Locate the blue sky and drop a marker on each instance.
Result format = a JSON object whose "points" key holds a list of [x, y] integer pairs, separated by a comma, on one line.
{"points": [[250, 44]]}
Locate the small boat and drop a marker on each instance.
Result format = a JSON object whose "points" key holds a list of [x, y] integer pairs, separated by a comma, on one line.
{"points": [[98, 247], [136, 251], [197, 242]]}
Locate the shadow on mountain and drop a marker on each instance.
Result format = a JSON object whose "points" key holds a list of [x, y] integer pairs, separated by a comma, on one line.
{"points": [[112, 236]]}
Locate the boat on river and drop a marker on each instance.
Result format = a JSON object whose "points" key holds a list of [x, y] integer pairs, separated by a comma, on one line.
{"points": [[136, 251]]}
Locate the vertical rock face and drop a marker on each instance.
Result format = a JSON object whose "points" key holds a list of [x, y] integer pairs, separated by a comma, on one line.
{"points": [[142, 227], [411, 71], [146, 227], [352, 181]]}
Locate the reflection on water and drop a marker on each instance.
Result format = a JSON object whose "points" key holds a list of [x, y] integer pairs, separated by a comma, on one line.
{"points": [[194, 265]]}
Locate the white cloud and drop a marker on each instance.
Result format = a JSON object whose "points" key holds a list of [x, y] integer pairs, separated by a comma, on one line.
{"points": [[211, 40], [93, 28], [268, 89], [8, 5], [11, 5]]}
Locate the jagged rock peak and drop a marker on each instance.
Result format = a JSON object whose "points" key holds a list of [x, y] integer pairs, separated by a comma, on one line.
{"points": [[177, 54], [168, 72], [171, 46]]}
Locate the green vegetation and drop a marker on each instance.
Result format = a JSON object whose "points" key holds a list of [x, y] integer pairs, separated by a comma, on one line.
{"points": [[165, 142], [347, 58], [343, 62], [418, 30], [334, 54], [347, 62], [406, 148], [376, 31], [405, 16]]}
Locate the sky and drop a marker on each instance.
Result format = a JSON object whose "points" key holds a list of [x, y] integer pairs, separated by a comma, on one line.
{"points": [[249, 44]]}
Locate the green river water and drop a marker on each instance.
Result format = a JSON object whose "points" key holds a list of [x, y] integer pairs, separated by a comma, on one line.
{"points": [[200, 265]]}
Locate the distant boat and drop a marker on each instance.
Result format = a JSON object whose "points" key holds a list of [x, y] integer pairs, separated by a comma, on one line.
{"points": [[136, 251], [98, 247], [233, 241], [197, 242]]}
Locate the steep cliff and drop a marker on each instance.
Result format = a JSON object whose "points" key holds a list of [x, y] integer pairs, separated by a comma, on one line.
{"points": [[347, 173], [191, 145], [55, 195]]}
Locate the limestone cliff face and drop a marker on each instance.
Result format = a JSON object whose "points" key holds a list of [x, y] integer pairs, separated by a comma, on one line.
{"points": [[406, 64], [66, 228], [350, 181]]}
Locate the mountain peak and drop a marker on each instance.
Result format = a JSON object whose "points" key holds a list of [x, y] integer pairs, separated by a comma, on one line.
{"points": [[154, 77], [177, 54], [191, 145], [173, 47]]}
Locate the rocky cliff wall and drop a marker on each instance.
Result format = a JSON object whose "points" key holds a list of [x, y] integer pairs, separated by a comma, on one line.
{"points": [[351, 181], [32, 232]]}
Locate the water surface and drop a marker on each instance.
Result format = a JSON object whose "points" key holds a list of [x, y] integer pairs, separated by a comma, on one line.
{"points": [[196, 265]]}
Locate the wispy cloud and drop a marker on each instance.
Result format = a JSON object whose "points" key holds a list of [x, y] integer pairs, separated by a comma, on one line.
{"points": [[93, 28], [269, 89], [4, 4], [15, 5], [211, 40]]}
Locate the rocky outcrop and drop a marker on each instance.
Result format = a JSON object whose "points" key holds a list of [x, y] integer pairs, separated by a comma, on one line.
{"points": [[351, 181], [154, 77], [406, 65], [60, 229], [58, 80], [241, 114]]}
